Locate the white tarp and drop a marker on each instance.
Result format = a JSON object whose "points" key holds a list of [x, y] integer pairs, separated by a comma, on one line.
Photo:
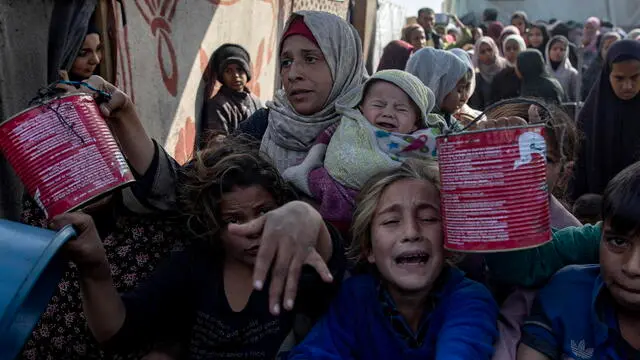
{"points": [[390, 19], [624, 13]]}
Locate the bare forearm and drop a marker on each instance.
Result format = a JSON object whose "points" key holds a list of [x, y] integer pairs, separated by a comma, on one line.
{"points": [[134, 141], [102, 305]]}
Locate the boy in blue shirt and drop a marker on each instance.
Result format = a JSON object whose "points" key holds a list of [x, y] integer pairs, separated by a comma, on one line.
{"points": [[593, 311]]}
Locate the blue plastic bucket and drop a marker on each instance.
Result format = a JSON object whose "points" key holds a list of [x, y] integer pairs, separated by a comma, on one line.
{"points": [[29, 274]]}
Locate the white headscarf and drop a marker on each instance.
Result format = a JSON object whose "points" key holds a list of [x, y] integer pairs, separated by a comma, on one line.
{"points": [[289, 135], [517, 38], [488, 72], [633, 34], [439, 70]]}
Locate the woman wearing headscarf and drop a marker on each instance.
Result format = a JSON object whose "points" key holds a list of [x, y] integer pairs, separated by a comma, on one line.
{"points": [[508, 30], [591, 75], [447, 76], [609, 121], [395, 55], [506, 84], [590, 35], [562, 29], [560, 67], [520, 20], [536, 81], [89, 55], [487, 59], [320, 60], [538, 37]]}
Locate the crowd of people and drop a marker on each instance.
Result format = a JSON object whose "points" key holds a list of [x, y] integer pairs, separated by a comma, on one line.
{"points": [[311, 228]]}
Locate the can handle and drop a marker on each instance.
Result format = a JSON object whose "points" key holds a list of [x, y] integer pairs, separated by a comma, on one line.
{"points": [[505, 102]]}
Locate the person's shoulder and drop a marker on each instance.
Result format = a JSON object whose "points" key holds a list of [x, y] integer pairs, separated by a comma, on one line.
{"points": [[574, 282], [583, 233]]}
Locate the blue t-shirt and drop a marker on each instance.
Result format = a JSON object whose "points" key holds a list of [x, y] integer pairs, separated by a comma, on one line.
{"points": [[574, 317], [459, 324]]}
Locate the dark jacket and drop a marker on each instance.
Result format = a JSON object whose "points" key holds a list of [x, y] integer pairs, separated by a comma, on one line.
{"points": [[227, 109]]}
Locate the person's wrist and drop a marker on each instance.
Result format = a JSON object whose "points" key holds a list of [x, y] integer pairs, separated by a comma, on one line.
{"points": [[95, 271]]}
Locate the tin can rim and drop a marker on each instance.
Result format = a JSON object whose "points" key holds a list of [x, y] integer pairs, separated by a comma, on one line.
{"points": [[528, 126], [45, 102]]}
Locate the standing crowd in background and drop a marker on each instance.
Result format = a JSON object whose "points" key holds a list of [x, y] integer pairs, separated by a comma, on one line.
{"points": [[311, 227]]}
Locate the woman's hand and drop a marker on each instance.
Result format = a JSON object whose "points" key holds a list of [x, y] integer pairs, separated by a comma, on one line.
{"points": [[126, 126], [86, 250], [291, 236]]}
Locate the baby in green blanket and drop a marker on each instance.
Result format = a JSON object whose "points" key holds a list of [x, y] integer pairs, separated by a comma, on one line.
{"points": [[384, 122]]}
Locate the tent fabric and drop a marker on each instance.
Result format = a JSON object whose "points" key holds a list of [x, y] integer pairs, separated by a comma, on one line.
{"points": [[24, 34], [390, 19]]}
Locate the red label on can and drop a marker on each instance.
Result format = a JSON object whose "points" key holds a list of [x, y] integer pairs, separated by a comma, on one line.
{"points": [[64, 153], [494, 192]]}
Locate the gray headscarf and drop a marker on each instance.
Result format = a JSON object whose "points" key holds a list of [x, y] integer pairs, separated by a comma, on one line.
{"points": [[466, 58], [289, 135], [439, 70]]}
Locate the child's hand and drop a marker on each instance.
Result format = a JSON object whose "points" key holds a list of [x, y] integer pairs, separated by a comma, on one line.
{"points": [[289, 236], [86, 250]]}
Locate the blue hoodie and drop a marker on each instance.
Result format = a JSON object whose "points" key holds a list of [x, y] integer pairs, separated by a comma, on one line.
{"points": [[461, 325]]}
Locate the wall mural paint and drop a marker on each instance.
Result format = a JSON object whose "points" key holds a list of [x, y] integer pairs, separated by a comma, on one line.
{"points": [[171, 113]]}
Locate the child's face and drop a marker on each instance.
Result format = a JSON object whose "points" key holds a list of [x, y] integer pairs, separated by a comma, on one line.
{"points": [[511, 50], [620, 266], [389, 108], [234, 77], [242, 205], [406, 236], [457, 97], [625, 79], [520, 24], [535, 37], [418, 38], [556, 53]]}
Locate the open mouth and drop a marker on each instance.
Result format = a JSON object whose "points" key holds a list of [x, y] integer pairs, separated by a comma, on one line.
{"points": [[412, 258], [386, 125]]}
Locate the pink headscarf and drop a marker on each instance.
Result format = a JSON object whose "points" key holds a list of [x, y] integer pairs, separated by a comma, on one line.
{"points": [[590, 38]]}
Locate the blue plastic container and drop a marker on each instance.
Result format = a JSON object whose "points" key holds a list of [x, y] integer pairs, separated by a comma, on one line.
{"points": [[29, 274]]}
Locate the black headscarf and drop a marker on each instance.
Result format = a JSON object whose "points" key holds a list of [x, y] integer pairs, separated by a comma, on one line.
{"points": [[610, 126], [536, 81], [545, 36]]}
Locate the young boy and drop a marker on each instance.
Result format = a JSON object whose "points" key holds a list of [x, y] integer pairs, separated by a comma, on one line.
{"points": [[591, 311], [234, 102]]}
